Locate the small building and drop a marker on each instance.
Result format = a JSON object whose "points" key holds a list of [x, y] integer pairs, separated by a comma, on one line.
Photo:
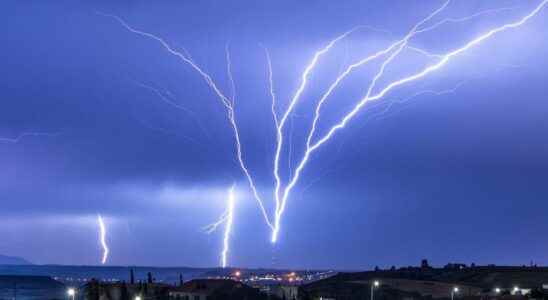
{"points": [[286, 292], [95, 290], [520, 292], [455, 266]]}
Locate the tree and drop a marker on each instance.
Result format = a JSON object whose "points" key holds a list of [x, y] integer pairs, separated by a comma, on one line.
{"points": [[92, 290], [124, 295]]}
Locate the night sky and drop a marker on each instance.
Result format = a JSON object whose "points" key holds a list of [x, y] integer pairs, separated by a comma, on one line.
{"points": [[457, 177]]}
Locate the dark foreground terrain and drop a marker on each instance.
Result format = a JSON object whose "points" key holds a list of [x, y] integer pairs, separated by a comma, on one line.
{"points": [[482, 282]]}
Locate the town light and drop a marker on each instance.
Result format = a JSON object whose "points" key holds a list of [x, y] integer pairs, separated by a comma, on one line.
{"points": [[453, 292], [71, 293], [237, 274], [375, 284]]}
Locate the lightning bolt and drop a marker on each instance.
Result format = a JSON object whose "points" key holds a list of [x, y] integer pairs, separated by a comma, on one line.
{"points": [[281, 203], [163, 96], [228, 226], [281, 192], [444, 59], [209, 229], [282, 121], [383, 113], [227, 218], [102, 238], [166, 97], [225, 101], [271, 87], [21, 136], [467, 18]]}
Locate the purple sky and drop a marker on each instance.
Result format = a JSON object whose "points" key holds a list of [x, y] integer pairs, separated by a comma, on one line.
{"points": [[458, 177]]}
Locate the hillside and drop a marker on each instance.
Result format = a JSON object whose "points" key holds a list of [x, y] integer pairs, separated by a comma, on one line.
{"points": [[427, 281], [13, 260]]}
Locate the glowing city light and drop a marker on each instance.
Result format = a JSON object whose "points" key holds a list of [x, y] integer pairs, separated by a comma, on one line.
{"points": [[71, 292]]}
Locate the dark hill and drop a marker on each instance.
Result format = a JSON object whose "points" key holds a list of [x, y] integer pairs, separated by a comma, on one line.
{"points": [[13, 260], [428, 282]]}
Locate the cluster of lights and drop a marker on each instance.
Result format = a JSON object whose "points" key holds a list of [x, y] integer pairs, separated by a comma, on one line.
{"points": [[291, 277], [497, 290], [69, 279], [72, 279], [455, 290]]}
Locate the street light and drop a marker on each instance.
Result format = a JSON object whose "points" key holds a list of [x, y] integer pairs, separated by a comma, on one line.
{"points": [[138, 298], [453, 292], [497, 290], [72, 293], [516, 289], [375, 284]]}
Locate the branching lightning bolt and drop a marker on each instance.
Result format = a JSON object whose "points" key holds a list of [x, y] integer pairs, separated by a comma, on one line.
{"points": [[384, 112], [103, 238], [209, 229], [227, 218], [444, 59], [228, 225], [271, 87], [280, 203], [463, 19], [163, 97], [282, 121], [388, 55], [227, 102]]}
